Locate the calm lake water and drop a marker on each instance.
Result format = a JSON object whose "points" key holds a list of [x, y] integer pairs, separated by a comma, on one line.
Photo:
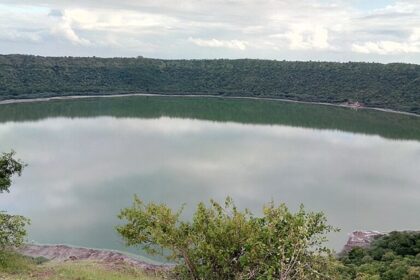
{"points": [[86, 158]]}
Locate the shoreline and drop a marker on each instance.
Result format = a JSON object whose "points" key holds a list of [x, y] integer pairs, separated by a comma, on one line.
{"points": [[64, 253], [73, 97]]}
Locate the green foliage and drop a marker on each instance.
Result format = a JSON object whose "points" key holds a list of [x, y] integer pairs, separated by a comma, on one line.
{"points": [[399, 243], [17, 267], [392, 86], [8, 167], [222, 242], [95, 271], [394, 256], [12, 228], [11, 262]]}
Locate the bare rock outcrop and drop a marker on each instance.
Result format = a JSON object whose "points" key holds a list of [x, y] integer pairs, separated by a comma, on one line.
{"points": [[361, 238], [63, 253]]}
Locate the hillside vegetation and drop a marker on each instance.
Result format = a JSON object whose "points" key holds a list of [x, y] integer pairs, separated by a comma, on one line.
{"points": [[395, 256], [393, 86]]}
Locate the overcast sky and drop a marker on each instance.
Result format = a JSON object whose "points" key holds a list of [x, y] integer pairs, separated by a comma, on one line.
{"points": [[331, 30]]}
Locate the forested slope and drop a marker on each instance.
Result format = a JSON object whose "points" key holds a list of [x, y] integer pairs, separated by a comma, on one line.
{"points": [[394, 86]]}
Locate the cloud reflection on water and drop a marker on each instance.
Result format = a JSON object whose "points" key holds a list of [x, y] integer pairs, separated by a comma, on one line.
{"points": [[83, 170]]}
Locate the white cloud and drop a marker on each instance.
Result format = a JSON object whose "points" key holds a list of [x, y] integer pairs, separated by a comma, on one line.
{"points": [[305, 37], [286, 29], [118, 21], [214, 43], [65, 30], [386, 47], [392, 30], [111, 24], [12, 35]]}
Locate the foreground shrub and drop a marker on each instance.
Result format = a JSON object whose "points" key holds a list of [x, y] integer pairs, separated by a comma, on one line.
{"points": [[12, 228], [8, 167], [222, 242]]}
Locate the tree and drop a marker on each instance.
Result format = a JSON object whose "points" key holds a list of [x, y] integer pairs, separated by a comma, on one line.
{"points": [[8, 167], [12, 227], [12, 230], [222, 242]]}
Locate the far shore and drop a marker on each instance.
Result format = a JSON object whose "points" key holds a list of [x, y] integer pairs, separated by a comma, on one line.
{"points": [[69, 97], [63, 253]]}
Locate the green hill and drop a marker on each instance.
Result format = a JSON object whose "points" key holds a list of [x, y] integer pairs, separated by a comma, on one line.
{"points": [[393, 86]]}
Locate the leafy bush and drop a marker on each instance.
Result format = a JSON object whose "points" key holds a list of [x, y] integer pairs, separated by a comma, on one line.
{"points": [[222, 242], [12, 228], [8, 167], [394, 256]]}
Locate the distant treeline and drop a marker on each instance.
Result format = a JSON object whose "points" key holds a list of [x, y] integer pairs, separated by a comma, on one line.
{"points": [[394, 86]]}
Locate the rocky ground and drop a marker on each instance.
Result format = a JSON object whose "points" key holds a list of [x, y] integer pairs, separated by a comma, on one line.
{"points": [[360, 238], [63, 253]]}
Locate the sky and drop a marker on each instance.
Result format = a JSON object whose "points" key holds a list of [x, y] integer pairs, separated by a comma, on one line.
{"points": [[320, 30]]}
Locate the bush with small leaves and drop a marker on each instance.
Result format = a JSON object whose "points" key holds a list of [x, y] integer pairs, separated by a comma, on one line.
{"points": [[8, 167], [222, 242], [12, 230], [12, 227]]}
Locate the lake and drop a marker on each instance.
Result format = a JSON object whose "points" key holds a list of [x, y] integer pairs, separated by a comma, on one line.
{"points": [[88, 157]]}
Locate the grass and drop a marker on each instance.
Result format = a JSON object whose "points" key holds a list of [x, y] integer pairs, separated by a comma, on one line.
{"points": [[11, 262], [17, 267]]}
